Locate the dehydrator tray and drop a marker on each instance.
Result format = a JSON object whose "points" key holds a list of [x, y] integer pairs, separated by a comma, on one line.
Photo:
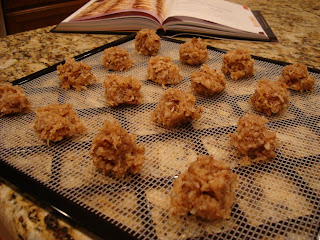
{"points": [[277, 199]]}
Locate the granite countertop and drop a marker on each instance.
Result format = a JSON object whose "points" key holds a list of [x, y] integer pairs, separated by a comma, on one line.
{"points": [[295, 23]]}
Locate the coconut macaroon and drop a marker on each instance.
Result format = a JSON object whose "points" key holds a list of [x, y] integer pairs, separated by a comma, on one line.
{"points": [[75, 74], [12, 99], [207, 81], [147, 42], [56, 122], [117, 59], [238, 64], [253, 139], [122, 90], [194, 52], [175, 108], [115, 151], [270, 97], [162, 70], [297, 77], [206, 190]]}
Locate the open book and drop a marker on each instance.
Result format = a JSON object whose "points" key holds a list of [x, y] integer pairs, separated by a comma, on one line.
{"points": [[217, 18]]}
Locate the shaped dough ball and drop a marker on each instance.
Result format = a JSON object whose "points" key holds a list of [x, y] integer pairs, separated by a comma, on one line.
{"points": [[162, 70], [206, 190], [122, 90], [115, 151], [12, 99], [147, 42], [270, 97], [75, 74], [194, 52], [297, 77], [238, 64], [207, 82], [175, 108], [117, 59], [253, 139], [56, 122]]}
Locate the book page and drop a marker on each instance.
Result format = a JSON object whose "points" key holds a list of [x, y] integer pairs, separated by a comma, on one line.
{"points": [[100, 8], [217, 11]]}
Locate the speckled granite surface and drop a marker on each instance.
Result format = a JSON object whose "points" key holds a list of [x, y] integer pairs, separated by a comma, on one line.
{"points": [[295, 23], [28, 52]]}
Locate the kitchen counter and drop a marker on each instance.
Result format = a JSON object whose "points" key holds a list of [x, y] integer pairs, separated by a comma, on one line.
{"points": [[295, 23]]}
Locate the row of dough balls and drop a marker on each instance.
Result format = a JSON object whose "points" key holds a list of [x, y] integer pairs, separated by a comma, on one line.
{"points": [[174, 108], [253, 140], [270, 97], [236, 63]]}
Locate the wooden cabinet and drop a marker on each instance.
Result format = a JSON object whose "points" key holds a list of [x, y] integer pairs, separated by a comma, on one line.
{"points": [[22, 15]]}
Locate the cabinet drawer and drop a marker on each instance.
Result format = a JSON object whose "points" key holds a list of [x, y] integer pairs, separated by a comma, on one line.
{"points": [[14, 5], [33, 18]]}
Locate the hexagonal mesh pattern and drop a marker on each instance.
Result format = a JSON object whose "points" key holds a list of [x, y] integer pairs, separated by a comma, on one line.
{"points": [[279, 199]]}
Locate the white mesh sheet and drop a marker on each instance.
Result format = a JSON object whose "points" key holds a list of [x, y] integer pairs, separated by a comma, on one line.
{"points": [[278, 199]]}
